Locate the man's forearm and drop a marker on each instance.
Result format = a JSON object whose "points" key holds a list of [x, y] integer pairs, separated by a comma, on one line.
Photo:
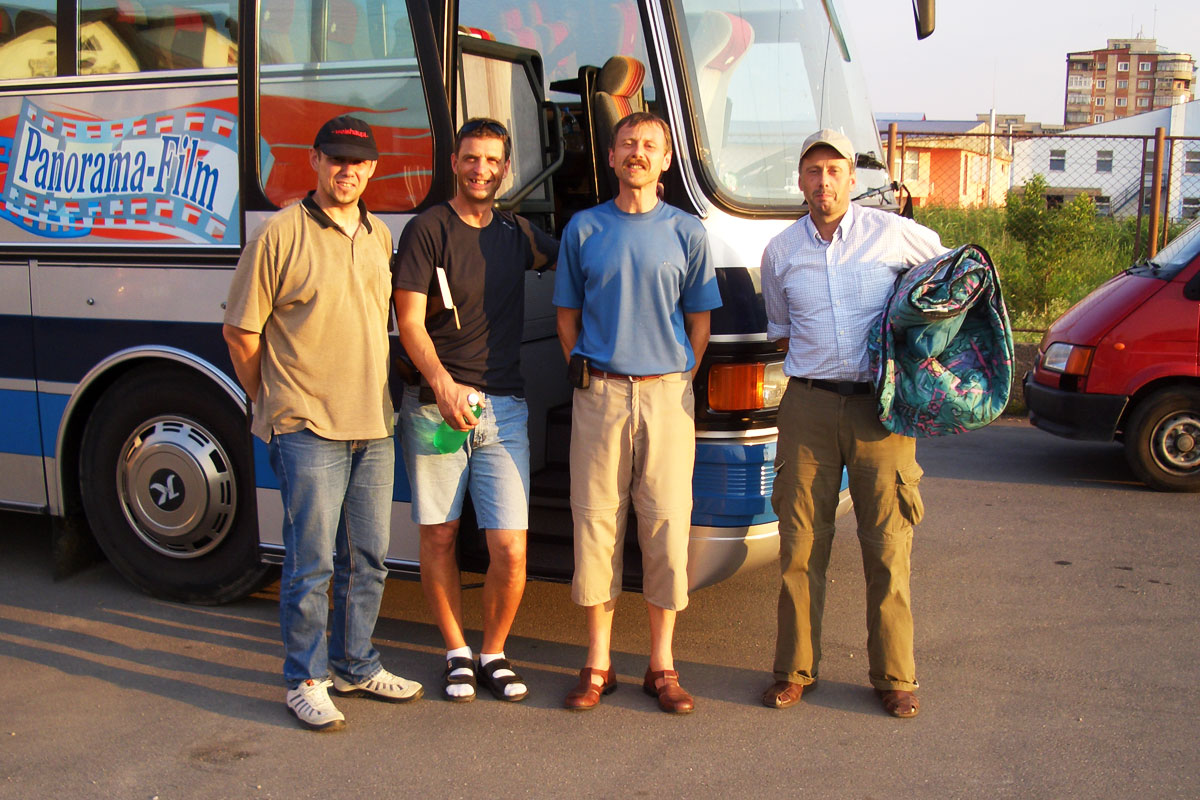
{"points": [[245, 351], [569, 323], [698, 326]]}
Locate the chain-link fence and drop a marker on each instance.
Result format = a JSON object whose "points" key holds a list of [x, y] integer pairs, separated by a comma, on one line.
{"points": [[1059, 213]]}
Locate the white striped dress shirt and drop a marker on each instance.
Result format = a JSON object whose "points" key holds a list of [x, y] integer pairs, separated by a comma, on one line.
{"points": [[823, 297]]}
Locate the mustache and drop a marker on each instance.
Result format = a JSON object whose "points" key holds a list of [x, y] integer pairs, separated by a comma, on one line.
{"points": [[634, 161]]}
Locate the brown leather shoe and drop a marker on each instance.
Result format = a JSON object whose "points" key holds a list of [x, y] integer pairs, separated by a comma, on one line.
{"points": [[587, 692], [785, 694], [672, 698], [899, 703]]}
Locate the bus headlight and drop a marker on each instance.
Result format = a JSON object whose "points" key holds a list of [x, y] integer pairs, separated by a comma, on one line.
{"points": [[1068, 359], [745, 387]]}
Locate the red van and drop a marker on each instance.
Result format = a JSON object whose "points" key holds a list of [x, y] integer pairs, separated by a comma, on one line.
{"points": [[1124, 364]]}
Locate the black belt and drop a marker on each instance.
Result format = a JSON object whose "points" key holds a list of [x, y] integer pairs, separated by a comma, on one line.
{"points": [[844, 388]]}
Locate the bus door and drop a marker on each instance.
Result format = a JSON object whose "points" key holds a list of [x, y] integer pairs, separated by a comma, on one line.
{"points": [[504, 81], [22, 480]]}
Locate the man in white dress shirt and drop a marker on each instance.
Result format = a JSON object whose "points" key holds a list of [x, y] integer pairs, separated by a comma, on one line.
{"points": [[825, 280]]}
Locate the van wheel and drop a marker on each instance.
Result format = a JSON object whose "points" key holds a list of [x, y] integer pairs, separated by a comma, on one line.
{"points": [[1162, 440], [167, 487]]}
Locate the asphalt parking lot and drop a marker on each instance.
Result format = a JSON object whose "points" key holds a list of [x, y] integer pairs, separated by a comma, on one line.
{"points": [[1056, 603]]}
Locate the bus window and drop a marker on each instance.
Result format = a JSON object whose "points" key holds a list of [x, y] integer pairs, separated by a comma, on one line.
{"points": [[363, 63], [121, 36], [765, 74], [568, 34], [28, 43]]}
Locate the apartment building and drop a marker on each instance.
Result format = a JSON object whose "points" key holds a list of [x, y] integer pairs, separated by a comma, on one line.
{"points": [[1129, 76]]}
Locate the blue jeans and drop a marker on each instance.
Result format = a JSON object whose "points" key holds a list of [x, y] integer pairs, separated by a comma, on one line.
{"points": [[337, 498], [493, 464]]}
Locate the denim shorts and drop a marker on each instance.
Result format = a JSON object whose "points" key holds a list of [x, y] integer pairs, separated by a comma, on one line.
{"points": [[493, 464]]}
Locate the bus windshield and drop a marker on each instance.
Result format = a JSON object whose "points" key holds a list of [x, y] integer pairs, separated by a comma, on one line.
{"points": [[764, 74]]}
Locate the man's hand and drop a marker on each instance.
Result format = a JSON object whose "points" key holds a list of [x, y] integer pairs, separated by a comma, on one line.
{"points": [[453, 403]]}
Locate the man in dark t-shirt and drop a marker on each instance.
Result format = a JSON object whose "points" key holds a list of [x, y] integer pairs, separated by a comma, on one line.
{"points": [[458, 283]]}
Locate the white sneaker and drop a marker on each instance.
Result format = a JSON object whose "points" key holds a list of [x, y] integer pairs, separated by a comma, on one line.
{"points": [[311, 704], [383, 685]]}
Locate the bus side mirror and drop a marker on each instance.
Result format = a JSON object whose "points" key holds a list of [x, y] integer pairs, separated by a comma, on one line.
{"points": [[923, 14]]}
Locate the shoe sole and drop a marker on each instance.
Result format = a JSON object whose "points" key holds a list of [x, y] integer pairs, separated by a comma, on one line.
{"points": [[328, 727], [654, 693], [603, 691], [498, 691], [809, 688], [381, 697]]}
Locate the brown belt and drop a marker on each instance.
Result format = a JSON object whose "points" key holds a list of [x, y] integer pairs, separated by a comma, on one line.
{"points": [[599, 373]]}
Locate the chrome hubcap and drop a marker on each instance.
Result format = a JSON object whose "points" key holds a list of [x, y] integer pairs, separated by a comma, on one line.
{"points": [[177, 487], [1176, 442]]}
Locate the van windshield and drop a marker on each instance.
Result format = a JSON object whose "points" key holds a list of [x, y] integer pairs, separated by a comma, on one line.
{"points": [[1171, 260]]}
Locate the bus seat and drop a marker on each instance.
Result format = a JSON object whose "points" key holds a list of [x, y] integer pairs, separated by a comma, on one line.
{"points": [[521, 34], [342, 33], [618, 93], [475, 33], [275, 34], [6, 26], [720, 43], [29, 20]]}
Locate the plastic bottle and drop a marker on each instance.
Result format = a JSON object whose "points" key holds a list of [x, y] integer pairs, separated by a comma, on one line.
{"points": [[447, 439]]}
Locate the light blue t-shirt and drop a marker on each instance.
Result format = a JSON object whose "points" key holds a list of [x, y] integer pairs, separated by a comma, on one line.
{"points": [[634, 276]]}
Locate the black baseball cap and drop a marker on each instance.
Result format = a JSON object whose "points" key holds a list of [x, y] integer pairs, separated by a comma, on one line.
{"points": [[347, 137]]}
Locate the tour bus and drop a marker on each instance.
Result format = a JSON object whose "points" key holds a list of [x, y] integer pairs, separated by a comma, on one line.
{"points": [[143, 141]]}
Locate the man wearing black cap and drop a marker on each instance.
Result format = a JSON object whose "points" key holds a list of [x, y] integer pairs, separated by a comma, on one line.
{"points": [[825, 280], [306, 325]]}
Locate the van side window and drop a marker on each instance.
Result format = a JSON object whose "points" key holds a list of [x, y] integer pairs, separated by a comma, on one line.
{"points": [[121, 36], [28, 39]]}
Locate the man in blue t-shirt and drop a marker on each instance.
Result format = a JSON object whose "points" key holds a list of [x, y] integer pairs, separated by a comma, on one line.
{"points": [[634, 290]]}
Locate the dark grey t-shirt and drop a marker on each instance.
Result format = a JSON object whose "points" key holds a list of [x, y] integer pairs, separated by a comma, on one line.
{"points": [[485, 269]]}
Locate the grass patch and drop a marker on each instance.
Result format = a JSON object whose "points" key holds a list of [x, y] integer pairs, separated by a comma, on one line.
{"points": [[1048, 258]]}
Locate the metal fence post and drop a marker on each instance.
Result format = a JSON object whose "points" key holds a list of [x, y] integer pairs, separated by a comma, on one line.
{"points": [[1160, 138], [893, 173]]}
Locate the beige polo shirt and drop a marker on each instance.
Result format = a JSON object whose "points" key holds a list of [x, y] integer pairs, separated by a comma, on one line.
{"points": [[320, 299]]}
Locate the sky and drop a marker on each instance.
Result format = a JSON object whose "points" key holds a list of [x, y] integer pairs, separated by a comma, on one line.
{"points": [[1009, 55]]}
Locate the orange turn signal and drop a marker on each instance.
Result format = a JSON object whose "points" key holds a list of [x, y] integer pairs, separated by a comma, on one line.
{"points": [[745, 387]]}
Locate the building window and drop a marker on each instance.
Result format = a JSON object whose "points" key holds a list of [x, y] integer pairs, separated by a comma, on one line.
{"points": [[1058, 160], [1098, 119], [1191, 162], [1143, 84], [1101, 83], [1122, 102], [1122, 84], [1191, 207], [1099, 101], [1078, 99], [1122, 66], [912, 165], [1104, 159], [1103, 205], [1143, 102], [1101, 65], [1145, 66], [1079, 82]]}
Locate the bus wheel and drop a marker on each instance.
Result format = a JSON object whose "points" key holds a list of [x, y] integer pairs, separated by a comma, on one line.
{"points": [[1162, 440], [166, 480]]}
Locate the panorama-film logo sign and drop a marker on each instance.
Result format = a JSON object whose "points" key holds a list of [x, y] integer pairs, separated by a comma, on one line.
{"points": [[167, 174]]}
